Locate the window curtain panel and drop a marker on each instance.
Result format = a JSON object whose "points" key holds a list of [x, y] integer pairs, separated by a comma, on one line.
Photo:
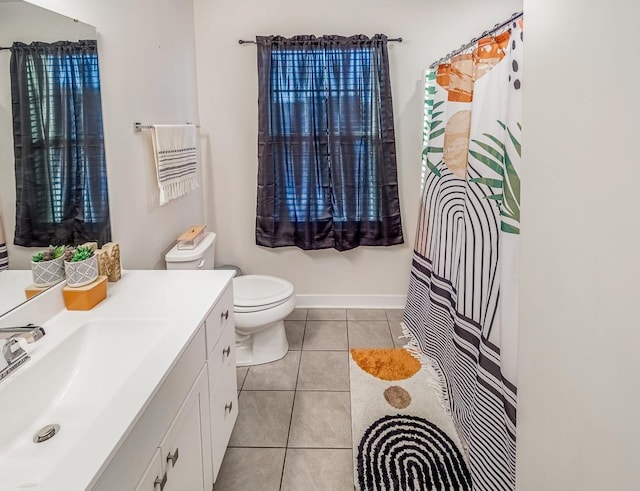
{"points": [[462, 304], [327, 173], [60, 167]]}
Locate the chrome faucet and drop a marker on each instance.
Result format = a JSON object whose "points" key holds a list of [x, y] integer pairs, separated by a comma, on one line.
{"points": [[29, 332], [13, 353]]}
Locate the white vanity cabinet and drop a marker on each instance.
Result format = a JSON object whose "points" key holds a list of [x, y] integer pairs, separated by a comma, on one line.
{"points": [[179, 463], [221, 364], [175, 418], [180, 439]]}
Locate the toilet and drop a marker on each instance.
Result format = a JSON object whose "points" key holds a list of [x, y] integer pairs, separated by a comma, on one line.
{"points": [[260, 304]]}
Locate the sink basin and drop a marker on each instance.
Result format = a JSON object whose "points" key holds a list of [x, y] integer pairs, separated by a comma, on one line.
{"points": [[68, 382]]}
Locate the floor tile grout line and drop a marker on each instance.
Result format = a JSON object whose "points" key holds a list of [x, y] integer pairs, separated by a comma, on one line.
{"points": [[243, 378], [342, 349], [350, 408], [263, 447], [296, 448], [295, 390], [293, 405]]}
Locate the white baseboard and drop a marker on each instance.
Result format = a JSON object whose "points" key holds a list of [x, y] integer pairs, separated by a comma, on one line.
{"points": [[309, 301]]}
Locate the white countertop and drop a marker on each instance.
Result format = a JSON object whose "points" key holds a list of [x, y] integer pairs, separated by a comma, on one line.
{"points": [[181, 297]]}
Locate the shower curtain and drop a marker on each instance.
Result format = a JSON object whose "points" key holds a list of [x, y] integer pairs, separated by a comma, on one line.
{"points": [[4, 257], [461, 311]]}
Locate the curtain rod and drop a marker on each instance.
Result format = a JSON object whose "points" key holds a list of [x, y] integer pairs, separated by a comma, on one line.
{"points": [[242, 41], [464, 47]]}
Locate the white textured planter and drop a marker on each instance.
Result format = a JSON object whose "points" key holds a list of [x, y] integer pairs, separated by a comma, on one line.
{"points": [[48, 273], [82, 272]]}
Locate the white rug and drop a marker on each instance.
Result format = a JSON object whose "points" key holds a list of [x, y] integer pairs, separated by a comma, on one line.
{"points": [[409, 441]]}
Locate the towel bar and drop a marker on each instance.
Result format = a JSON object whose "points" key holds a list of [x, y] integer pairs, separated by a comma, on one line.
{"points": [[138, 127]]}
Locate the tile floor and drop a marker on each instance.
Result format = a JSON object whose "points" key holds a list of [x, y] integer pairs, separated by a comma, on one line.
{"points": [[293, 431]]}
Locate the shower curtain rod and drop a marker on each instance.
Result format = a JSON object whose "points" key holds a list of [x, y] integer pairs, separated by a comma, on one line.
{"points": [[464, 47], [242, 41]]}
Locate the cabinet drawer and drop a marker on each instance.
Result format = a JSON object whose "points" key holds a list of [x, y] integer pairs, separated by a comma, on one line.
{"points": [[220, 316], [224, 411], [222, 359]]}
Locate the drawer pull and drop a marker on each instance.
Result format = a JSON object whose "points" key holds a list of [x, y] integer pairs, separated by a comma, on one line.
{"points": [[173, 458], [228, 407], [224, 315], [226, 352], [160, 483]]}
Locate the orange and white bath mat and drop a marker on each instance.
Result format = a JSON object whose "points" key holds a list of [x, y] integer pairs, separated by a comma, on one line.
{"points": [[402, 437]]}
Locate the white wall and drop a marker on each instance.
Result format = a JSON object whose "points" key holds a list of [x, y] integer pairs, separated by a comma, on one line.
{"points": [[147, 71], [227, 82], [579, 363], [20, 21]]}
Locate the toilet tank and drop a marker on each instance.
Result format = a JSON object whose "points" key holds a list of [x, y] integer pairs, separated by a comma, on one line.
{"points": [[201, 257]]}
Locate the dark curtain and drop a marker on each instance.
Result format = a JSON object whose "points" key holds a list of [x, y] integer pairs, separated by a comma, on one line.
{"points": [[327, 172], [60, 167]]}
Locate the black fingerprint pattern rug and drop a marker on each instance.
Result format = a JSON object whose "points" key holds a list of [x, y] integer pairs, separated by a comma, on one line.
{"points": [[403, 439], [402, 453]]}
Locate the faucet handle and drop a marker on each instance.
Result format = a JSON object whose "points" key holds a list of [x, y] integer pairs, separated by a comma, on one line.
{"points": [[12, 350]]}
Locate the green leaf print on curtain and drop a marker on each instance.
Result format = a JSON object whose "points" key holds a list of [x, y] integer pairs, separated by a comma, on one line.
{"points": [[431, 123], [506, 189]]}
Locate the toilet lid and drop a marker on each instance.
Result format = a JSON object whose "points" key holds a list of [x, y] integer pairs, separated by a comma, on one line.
{"points": [[257, 290]]}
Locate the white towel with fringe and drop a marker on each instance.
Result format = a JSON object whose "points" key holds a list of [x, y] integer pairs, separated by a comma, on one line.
{"points": [[175, 152]]}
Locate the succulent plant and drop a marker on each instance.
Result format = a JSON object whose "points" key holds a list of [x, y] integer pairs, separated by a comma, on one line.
{"points": [[50, 253], [81, 253], [38, 257]]}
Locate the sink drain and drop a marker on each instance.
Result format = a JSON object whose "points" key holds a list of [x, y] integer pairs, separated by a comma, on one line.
{"points": [[46, 433]]}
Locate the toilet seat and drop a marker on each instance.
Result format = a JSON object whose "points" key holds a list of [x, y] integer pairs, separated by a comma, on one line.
{"points": [[252, 293]]}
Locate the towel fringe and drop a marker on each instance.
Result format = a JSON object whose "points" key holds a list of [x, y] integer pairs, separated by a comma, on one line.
{"points": [[436, 379], [176, 189]]}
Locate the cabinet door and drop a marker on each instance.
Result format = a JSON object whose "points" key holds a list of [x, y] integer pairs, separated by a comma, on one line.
{"points": [[153, 478], [224, 411], [186, 449]]}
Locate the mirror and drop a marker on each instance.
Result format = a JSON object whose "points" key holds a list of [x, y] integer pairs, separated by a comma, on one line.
{"points": [[24, 22]]}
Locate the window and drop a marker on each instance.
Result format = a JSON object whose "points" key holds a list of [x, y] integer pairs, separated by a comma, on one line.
{"points": [[61, 182], [327, 169]]}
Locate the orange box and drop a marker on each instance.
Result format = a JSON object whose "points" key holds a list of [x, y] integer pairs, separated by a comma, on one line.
{"points": [[85, 297], [32, 290]]}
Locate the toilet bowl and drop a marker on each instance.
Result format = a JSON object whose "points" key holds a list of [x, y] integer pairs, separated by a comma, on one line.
{"points": [[260, 305]]}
